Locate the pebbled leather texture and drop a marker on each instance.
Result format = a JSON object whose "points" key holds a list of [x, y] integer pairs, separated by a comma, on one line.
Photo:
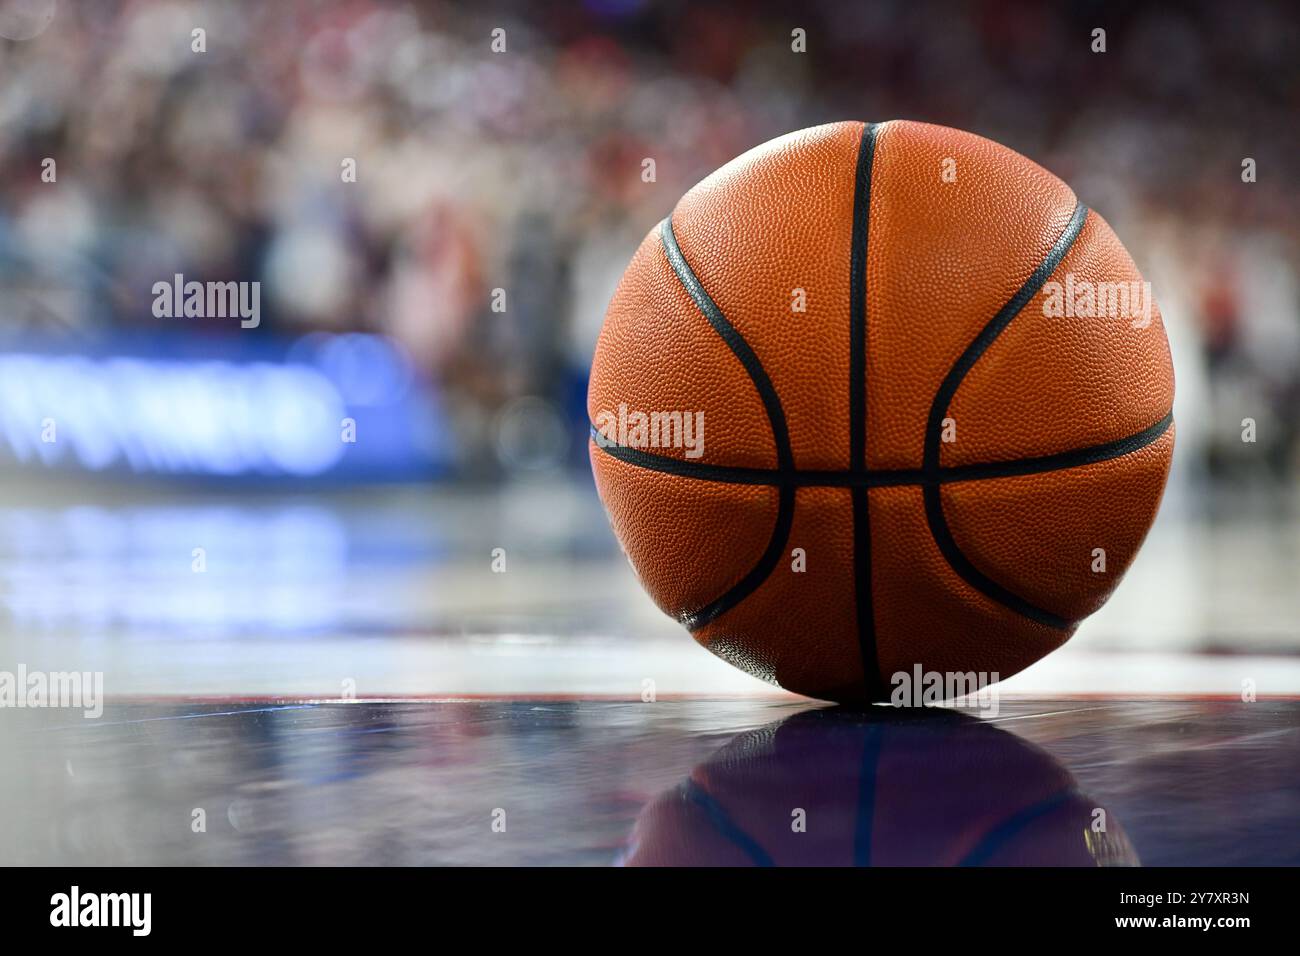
{"points": [[799, 630], [657, 353], [955, 570], [687, 540]]}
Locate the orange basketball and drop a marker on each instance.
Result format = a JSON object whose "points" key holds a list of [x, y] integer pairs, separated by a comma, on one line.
{"points": [[877, 397]]}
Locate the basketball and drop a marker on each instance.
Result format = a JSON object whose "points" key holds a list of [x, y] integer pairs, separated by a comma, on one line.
{"points": [[877, 400]]}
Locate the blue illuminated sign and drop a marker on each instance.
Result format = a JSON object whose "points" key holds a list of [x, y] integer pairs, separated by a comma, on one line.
{"points": [[345, 406]]}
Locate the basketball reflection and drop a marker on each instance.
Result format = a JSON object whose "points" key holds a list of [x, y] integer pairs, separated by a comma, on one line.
{"points": [[884, 788]]}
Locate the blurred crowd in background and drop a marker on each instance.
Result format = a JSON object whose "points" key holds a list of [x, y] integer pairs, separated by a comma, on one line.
{"points": [[521, 170]]}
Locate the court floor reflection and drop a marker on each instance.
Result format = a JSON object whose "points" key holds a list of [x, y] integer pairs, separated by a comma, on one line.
{"points": [[882, 788], [595, 782]]}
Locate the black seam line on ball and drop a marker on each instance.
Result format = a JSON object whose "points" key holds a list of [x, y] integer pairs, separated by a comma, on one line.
{"points": [[780, 434], [980, 471], [864, 823], [1001, 835], [861, 499], [934, 515], [724, 825]]}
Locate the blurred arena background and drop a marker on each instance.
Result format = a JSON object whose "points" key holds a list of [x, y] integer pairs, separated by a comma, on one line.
{"points": [[521, 171]]}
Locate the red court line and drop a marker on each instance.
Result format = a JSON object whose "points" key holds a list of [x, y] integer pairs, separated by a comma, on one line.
{"points": [[775, 696]]}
